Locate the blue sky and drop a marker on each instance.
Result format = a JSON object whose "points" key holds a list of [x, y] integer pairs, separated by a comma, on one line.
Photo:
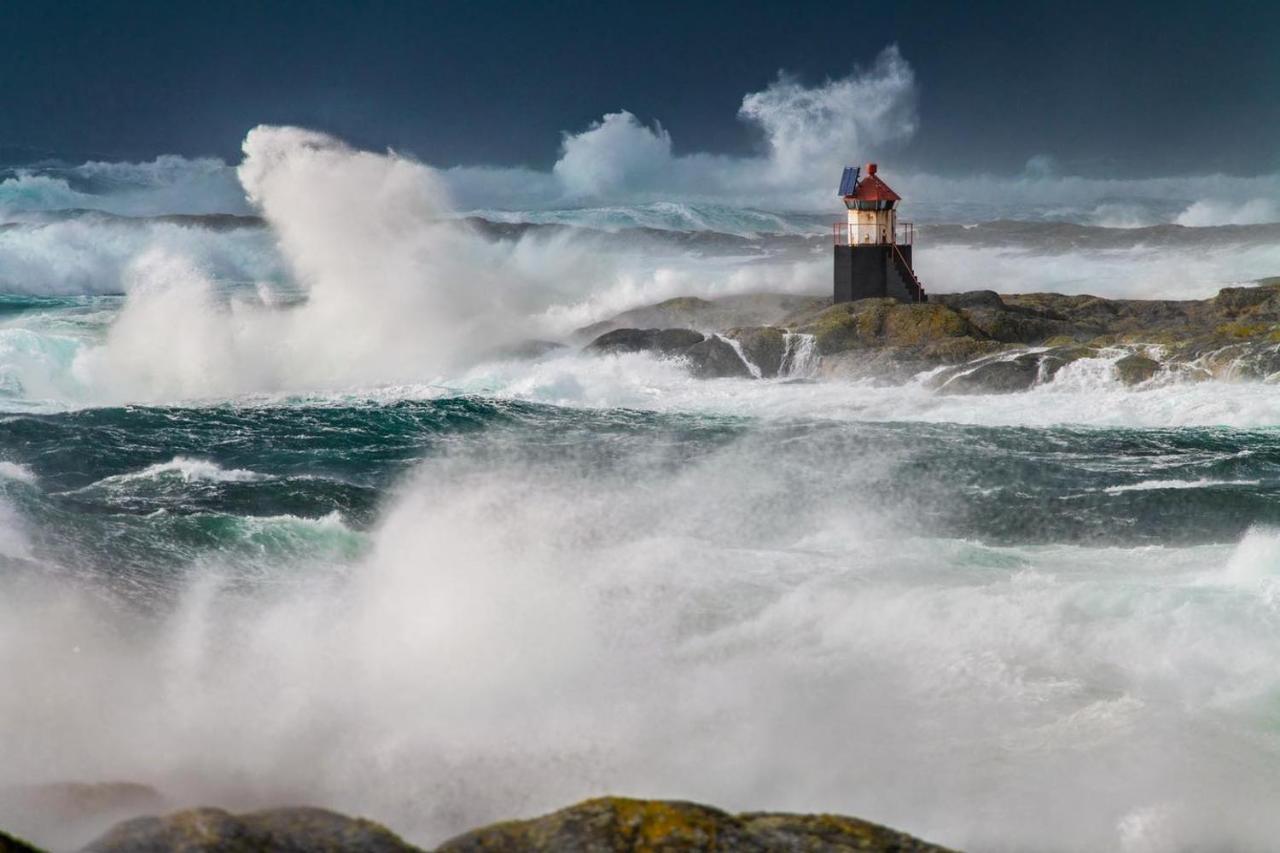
{"points": [[1111, 90]]}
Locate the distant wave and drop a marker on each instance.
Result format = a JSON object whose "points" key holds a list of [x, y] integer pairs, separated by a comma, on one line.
{"points": [[168, 184], [666, 216], [188, 470]]}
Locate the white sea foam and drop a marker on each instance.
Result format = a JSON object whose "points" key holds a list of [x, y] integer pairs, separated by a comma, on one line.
{"points": [[1163, 485], [16, 471], [1084, 393], [188, 470]]}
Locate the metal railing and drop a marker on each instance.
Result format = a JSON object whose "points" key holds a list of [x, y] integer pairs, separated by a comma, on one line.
{"points": [[904, 269], [904, 234]]}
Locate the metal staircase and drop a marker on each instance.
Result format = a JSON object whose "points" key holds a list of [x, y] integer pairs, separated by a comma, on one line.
{"points": [[908, 276]]}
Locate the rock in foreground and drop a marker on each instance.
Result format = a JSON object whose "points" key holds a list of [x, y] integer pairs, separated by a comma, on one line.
{"points": [[293, 830], [615, 824], [602, 825], [9, 844]]}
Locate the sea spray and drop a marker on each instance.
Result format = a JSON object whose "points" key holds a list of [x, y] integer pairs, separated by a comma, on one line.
{"points": [[671, 593], [799, 355]]}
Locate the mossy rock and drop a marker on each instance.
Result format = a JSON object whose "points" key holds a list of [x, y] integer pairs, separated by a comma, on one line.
{"points": [[908, 325], [835, 329], [1244, 331], [684, 303], [885, 322], [1235, 300], [648, 826], [959, 350], [1013, 327]]}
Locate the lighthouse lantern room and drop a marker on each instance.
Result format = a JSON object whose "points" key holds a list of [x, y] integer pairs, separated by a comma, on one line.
{"points": [[872, 249]]}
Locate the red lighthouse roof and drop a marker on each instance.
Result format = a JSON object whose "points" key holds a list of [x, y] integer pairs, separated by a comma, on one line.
{"points": [[871, 188]]}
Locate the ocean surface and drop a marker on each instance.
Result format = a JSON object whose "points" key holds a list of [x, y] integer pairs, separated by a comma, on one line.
{"points": [[279, 523]]}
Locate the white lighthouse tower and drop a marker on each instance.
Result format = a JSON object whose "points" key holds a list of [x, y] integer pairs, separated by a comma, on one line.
{"points": [[872, 249]]}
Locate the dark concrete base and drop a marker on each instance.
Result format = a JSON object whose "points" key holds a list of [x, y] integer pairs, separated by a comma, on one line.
{"points": [[874, 271]]}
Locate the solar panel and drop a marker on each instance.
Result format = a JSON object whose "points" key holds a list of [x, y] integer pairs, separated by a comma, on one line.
{"points": [[849, 180]]}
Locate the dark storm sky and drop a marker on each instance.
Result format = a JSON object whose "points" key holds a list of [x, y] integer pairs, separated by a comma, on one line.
{"points": [[1107, 89]]}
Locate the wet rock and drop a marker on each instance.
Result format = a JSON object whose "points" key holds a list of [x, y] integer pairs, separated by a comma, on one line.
{"points": [[970, 299], [623, 340], [715, 358], [1135, 369], [723, 312], [10, 844], [616, 824], [1017, 327], [1054, 359], [994, 377], [764, 346], [663, 341], [290, 830], [672, 341]]}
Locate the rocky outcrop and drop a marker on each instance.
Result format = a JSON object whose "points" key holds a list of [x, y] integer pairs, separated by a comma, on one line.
{"points": [[715, 358], [594, 826], [292, 830], [997, 376], [690, 312], [707, 357], [1004, 342], [662, 341], [764, 346], [616, 824], [879, 323]]}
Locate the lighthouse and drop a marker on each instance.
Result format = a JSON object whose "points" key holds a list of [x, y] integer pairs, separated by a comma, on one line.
{"points": [[872, 248]]}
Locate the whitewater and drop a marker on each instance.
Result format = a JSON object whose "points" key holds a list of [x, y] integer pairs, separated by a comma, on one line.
{"points": [[284, 520]]}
